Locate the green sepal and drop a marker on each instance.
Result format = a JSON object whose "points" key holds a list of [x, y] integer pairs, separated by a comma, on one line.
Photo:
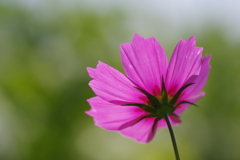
{"points": [[155, 123], [164, 93], [143, 106], [152, 99], [177, 95], [183, 102], [147, 116]]}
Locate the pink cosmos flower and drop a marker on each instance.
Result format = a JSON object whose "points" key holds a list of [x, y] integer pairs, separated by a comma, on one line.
{"points": [[135, 104]]}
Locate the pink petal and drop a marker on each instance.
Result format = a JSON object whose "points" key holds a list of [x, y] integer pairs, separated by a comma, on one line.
{"points": [[144, 62], [185, 62], [173, 120], [183, 107], [113, 117], [200, 80], [111, 85], [142, 131]]}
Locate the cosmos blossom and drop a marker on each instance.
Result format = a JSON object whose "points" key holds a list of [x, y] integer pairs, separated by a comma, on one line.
{"points": [[135, 104]]}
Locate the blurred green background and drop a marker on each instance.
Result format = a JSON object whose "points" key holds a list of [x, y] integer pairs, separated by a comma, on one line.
{"points": [[45, 47]]}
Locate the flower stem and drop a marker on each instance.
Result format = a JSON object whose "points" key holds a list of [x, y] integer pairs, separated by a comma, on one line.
{"points": [[172, 137]]}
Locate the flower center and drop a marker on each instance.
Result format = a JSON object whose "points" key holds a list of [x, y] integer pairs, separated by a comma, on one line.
{"points": [[162, 105]]}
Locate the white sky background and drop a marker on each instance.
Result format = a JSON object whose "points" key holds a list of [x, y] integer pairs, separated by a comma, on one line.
{"points": [[178, 16], [174, 16]]}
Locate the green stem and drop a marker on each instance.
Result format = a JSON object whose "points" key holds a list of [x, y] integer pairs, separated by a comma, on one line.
{"points": [[172, 137]]}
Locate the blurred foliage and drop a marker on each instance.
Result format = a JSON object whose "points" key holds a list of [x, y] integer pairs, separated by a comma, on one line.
{"points": [[44, 80], [43, 91]]}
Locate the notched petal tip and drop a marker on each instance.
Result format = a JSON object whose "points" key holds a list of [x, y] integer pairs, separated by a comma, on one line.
{"points": [[100, 63], [136, 35], [91, 71], [192, 40], [90, 113], [207, 58], [137, 38], [89, 100]]}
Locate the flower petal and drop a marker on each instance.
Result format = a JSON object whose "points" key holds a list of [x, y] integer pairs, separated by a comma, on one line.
{"points": [[173, 120], [141, 131], [185, 62], [200, 81], [113, 117], [113, 86], [144, 62]]}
